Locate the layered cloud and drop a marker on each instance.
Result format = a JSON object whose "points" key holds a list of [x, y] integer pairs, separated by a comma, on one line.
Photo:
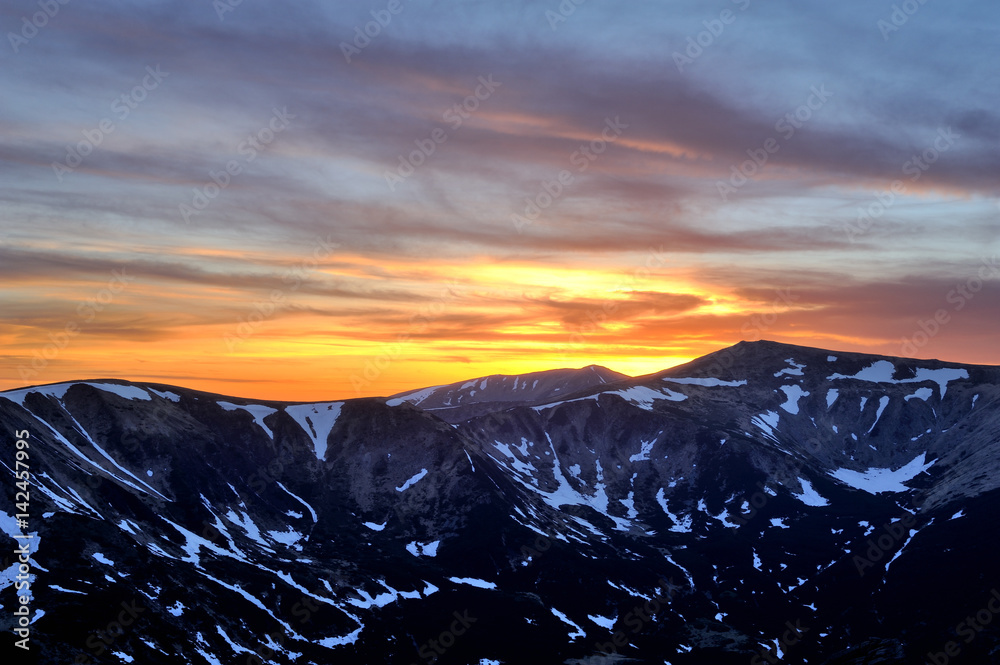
{"points": [[511, 187]]}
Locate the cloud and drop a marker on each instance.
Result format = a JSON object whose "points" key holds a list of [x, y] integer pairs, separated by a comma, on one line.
{"points": [[918, 107]]}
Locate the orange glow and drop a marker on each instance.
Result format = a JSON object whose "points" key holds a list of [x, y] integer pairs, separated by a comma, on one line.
{"points": [[411, 324]]}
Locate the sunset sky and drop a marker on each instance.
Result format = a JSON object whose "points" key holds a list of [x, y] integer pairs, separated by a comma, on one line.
{"points": [[487, 187]]}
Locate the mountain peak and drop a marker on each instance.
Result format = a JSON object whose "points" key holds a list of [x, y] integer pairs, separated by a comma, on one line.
{"points": [[464, 399]]}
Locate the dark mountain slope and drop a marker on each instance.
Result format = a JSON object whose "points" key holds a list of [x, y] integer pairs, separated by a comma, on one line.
{"points": [[457, 401], [695, 515]]}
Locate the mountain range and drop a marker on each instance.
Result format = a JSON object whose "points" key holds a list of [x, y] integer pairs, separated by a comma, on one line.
{"points": [[765, 503]]}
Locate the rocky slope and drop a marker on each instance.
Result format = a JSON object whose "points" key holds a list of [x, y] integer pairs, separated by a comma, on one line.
{"points": [[459, 401], [766, 503]]}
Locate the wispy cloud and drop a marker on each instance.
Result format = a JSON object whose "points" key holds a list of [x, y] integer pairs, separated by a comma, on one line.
{"points": [[885, 104]]}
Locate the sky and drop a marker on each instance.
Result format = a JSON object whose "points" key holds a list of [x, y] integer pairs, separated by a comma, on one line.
{"points": [[320, 200]]}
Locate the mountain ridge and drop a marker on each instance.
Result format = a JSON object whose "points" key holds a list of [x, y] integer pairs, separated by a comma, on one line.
{"points": [[712, 360], [854, 495]]}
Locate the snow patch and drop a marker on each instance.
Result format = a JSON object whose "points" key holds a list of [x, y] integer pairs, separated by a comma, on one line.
{"points": [[412, 481], [350, 638], [579, 632], [564, 494], [921, 393], [290, 537], [604, 622], [232, 645], [258, 411], [876, 480], [709, 382], [127, 392], [882, 403], [173, 397], [300, 500], [316, 420], [472, 581], [809, 496], [417, 396], [644, 397], [681, 525], [423, 549], [831, 396], [940, 376], [766, 421], [103, 559], [794, 369], [882, 371], [643, 454], [792, 395]]}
